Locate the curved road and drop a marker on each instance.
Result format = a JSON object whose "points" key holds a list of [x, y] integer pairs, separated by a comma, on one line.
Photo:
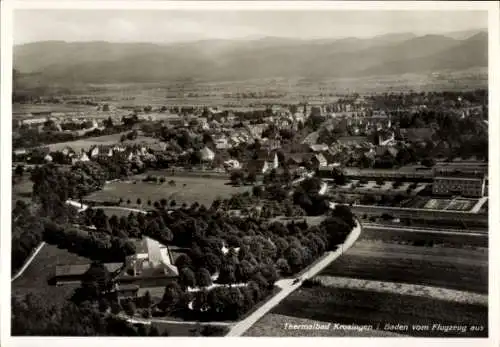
{"points": [[287, 286]]}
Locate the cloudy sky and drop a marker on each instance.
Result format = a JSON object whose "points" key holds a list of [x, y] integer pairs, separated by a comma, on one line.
{"points": [[163, 26]]}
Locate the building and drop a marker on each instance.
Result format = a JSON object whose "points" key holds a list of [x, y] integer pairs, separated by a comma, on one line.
{"points": [[207, 154], [152, 265], [463, 186], [73, 274], [318, 161]]}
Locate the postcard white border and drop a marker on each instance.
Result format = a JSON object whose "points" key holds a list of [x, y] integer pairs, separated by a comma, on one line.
{"points": [[7, 7]]}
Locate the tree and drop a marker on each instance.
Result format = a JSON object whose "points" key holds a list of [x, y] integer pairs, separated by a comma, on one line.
{"points": [[128, 201], [183, 261], [283, 266], [203, 278], [227, 274], [96, 280], [428, 162], [146, 299], [269, 273], [236, 177], [19, 171], [211, 262], [172, 295], [130, 308], [139, 201], [173, 203], [187, 277], [244, 271], [252, 177], [294, 258], [116, 307]]}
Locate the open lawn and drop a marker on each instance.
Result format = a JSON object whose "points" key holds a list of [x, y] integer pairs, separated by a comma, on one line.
{"points": [[186, 190], [460, 269], [35, 278], [106, 140], [359, 307]]}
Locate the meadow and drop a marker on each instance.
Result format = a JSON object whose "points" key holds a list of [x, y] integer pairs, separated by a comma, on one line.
{"points": [[186, 190], [107, 140]]}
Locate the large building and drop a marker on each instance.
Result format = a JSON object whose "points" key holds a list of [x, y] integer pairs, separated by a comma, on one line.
{"points": [[152, 265]]}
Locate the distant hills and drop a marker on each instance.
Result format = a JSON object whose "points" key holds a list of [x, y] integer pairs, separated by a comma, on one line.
{"points": [[105, 62]]}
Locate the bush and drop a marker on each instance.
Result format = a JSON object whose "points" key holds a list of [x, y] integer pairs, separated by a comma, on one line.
{"points": [[212, 330], [312, 282]]}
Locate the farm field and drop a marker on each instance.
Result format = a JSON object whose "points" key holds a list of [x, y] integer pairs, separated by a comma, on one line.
{"points": [[28, 108], [36, 277], [106, 140], [186, 190], [349, 306], [273, 324], [406, 238], [460, 204], [460, 269]]}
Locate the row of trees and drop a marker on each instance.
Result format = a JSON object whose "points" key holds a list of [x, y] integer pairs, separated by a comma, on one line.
{"points": [[94, 245], [33, 317]]}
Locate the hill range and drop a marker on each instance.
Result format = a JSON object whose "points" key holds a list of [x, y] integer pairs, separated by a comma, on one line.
{"points": [[219, 60]]}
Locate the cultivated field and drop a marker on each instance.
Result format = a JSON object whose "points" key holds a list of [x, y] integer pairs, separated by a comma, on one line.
{"points": [[350, 306], [186, 190], [461, 204], [36, 277], [460, 269], [273, 324], [422, 238]]}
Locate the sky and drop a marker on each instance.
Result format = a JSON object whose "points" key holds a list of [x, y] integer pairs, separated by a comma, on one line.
{"points": [[165, 26]]}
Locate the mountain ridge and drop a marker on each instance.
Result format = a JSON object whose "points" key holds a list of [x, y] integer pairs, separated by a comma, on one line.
{"points": [[105, 62]]}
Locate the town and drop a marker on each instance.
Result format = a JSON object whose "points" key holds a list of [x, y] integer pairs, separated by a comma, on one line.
{"points": [[248, 170], [199, 213]]}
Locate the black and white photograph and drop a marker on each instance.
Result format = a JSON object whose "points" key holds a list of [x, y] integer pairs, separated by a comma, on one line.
{"points": [[243, 171]]}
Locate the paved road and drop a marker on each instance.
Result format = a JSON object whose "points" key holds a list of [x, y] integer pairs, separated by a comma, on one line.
{"points": [[28, 262], [120, 208], [287, 286], [136, 320]]}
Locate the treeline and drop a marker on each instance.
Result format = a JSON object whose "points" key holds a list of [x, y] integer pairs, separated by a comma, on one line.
{"points": [[229, 251], [448, 98], [91, 244], [32, 317], [28, 137]]}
